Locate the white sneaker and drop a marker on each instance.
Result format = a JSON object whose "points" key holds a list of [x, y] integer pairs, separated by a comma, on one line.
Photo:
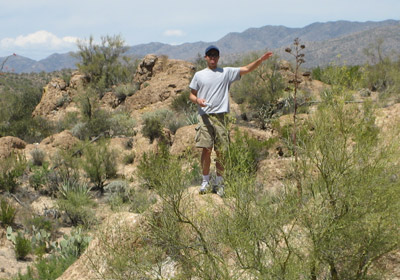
{"points": [[205, 187], [219, 190]]}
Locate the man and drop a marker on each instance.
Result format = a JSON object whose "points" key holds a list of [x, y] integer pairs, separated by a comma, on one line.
{"points": [[210, 91]]}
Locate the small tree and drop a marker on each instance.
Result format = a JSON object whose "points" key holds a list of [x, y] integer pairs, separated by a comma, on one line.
{"points": [[104, 64]]}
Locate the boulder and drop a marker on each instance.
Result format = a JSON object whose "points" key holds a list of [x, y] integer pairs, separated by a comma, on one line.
{"points": [[160, 80], [9, 144]]}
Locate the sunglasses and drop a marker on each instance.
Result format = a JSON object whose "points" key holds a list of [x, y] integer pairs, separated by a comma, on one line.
{"points": [[213, 55]]}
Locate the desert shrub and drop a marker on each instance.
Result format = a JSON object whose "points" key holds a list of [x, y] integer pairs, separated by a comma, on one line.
{"points": [[99, 123], [186, 112], [39, 177], [65, 253], [381, 73], [350, 199], [66, 170], [154, 122], [200, 63], [105, 64], [152, 128], [176, 122], [37, 223], [263, 87], [121, 123], [77, 208], [7, 213], [47, 268], [16, 106], [129, 158], [181, 102], [99, 163], [23, 246], [140, 200], [124, 90], [152, 164], [119, 193], [118, 188], [11, 168], [244, 153], [343, 77], [68, 122], [38, 156]]}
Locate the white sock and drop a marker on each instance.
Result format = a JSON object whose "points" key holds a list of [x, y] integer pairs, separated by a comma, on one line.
{"points": [[206, 178]]}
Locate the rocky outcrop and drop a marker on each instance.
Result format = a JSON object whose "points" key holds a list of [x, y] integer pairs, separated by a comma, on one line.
{"points": [[52, 144], [160, 80], [54, 96], [10, 144]]}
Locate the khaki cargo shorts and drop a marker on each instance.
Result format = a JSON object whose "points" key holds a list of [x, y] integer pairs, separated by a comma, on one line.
{"points": [[212, 132]]}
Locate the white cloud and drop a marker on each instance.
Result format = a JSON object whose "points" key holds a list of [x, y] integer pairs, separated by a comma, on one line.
{"points": [[174, 32], [39, 39], [40, 44]]}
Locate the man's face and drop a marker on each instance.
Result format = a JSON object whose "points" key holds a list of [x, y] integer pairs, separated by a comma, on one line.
{"points": [[212, 58]]}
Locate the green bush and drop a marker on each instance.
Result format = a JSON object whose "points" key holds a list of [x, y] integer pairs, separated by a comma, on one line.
{"points": [[99, 163], [350, 202], [182, 104], [121, 123], [40, 223], [77, 208], [47, 268], [124, 90], [153, 165], [38, 156], [11, 168], [23, 246], [140, 200], [66, 169], [17, 103], [381, 73], [105, 64], [39, 177], [154, 122], [7, 213], [152, 128], [341, 77]]}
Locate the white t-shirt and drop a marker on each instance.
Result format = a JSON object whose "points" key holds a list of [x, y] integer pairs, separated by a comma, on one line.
{"points": [[213, 86]]}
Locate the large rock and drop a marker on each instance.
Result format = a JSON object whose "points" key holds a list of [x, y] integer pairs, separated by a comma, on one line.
{"points": [[184, 141], [54, 96], [10, 144], [160, 80], [52, 144]]}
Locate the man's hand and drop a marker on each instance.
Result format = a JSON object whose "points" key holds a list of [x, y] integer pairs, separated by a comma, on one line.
{"points": [[201, 102], [266, 56], [248, 68]]}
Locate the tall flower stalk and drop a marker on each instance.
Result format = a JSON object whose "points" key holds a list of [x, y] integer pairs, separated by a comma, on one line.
{"points": [[297, 53]]}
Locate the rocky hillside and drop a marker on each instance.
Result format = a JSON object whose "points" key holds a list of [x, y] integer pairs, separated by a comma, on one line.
{"points": [[161, 80]]}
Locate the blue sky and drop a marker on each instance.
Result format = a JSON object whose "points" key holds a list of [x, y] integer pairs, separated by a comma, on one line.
{"points": [[38, 28]]}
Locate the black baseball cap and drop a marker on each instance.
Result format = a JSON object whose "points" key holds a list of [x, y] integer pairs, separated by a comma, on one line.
{"points": [[210, 48]]}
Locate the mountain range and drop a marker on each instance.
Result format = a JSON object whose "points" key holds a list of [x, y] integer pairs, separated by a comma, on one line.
{"points": [[341, 42]]}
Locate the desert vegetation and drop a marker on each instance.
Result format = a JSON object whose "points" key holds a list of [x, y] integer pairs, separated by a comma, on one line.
{"points": [[332, 213]]}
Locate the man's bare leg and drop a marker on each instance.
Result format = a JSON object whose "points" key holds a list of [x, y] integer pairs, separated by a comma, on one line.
{"points": [[205, 165], [206, 160]]}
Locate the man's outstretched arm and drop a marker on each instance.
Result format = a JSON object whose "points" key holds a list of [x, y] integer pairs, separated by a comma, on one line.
{"points": [[250, 67]]}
